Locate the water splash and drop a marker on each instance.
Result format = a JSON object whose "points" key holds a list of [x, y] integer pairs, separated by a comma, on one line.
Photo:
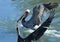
{"points": [[53, 33]]}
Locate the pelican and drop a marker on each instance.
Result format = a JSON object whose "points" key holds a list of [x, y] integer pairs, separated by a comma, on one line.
{"points": [[38, 32], [35, 20], [38, 12]]}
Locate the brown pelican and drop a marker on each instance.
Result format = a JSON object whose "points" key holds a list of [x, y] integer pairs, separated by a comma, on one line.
{"points": [[37, 15], [38, 32], [35, 35]]}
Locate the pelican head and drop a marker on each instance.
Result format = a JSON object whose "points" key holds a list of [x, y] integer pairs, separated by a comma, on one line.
{"points": [[27, 12]]}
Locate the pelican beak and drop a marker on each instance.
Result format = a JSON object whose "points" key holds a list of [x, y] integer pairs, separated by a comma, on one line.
{"points": [[20, 18]]}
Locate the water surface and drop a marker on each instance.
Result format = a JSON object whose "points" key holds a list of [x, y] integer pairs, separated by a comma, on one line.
{"points": [[11, 11]]}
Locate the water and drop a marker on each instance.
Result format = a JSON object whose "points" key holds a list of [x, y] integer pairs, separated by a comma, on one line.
{"points": [[11, 10]]}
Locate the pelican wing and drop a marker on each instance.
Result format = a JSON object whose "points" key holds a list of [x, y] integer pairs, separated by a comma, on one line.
{"points": [[37, 14]]}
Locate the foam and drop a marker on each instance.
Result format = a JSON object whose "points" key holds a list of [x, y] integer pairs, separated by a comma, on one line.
{"points": [[53, 33]]}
